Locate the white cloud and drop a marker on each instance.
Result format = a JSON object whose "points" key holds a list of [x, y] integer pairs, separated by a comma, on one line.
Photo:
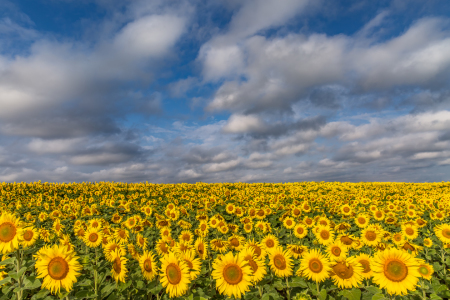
{"points": [[243, 124], [219, 167]]}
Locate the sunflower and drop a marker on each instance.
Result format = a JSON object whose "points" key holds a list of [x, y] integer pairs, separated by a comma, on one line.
{"points": [[408, 246], [116, 218], [148, 266], [442, 232], [258, 249], [121, 235], [300, 231], [337, 251], [93, 237], [95, 223], [203, 228], [109, 248], [324, 235], [219, 245], [248, 227], [186, 236], [346, 272], [280, 262], [162, 248], [174, 275], [119, 270], [270, 242], [201, 248], [309, 222], [398, 238], [347, 240], [346, 210], [58, 266], [194, 264], [289, 223], [232, 274], [395, 270], [57, 227], [236, 242], [314, 266], [257, 265], [10, 233], [425, 270], [181, 247], [297, 251], [29, 236], [410, 231], [362, 220], [371, 236], [365, 261], [230, 208], [427, 242], [342, 227], [378, 215]]}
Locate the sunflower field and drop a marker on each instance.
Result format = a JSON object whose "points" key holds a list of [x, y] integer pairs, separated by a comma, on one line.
{"points": [[270, 241]]}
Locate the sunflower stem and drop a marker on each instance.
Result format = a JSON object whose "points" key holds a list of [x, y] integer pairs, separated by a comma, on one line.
{"points": [[19, 266], [96, 274], [318, 292], [422, 285], [288, 290]]}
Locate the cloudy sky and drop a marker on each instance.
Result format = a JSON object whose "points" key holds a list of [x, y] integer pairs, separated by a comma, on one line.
{"points": [[224, 91]]}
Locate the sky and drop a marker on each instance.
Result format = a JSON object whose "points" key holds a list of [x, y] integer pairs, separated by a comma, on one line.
{"points": [[224, 91]]}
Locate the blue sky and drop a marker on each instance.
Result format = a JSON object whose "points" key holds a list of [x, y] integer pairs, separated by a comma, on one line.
{"points": [[224, 91]]}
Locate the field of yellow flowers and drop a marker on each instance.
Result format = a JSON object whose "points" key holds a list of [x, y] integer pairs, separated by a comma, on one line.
{"points": [[305, 240]]}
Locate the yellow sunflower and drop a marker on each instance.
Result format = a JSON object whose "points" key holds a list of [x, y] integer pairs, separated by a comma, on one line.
{"points": [[258, 249], [410, 231], [346, 272], [174, 275], [324, 235], [119, 270], [297, 251], [337, 251], [93, 237], [148, 265], [442, 231], [395, 270], [365, 261], [280, 262], [371, 236], [30, 236], [186, 236], [346, 210], [232, 274], [289, 223], [109, 248], [362, 220], [257, 265], [236, 242], [300, 231], [121, 235], [59, 268], [425, 270], [427, 242], [10, 233], [194, 264], [219, 245], [270, 242], [314, 265], [201, 248]]}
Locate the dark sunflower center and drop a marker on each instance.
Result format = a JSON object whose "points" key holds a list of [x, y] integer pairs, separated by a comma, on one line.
{"points": [[93, 237], [346, 209], [173, 273], [28, 235], [315, 265], [58, 268], [270, 243], [408, 246], [253, 265], [346, 240], [395, 270], [324, 234], [378, 214], [203, 227], [300, 230], [336, 251], [7, 232], [309, 221], [257, 250], [288, 222], [446, 233], [148, 265], [279, 261], [343, 271], [366, 265], [232, 274], [234, 242], [371, 235], [361, 220], [424, 270], [409, 231], [200, 248], [186, 237]]}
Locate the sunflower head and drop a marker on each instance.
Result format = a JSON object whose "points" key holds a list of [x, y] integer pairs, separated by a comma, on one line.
{"points": [[10, 232]]}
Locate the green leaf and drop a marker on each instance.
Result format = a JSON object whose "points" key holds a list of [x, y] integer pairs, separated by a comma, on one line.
{"points": [[323, 294], [298, 282], [31, 283], [140, 285], [108, 289], [278, 285], [85, 294], [6, 280], [353, 294], [41, 294], [86, 282], [435, 297], [373, 290], [378, 297], [9, 261]]}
